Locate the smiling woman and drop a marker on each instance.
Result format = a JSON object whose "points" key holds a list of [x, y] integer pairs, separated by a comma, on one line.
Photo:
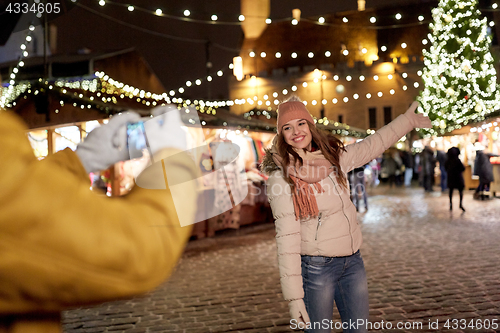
{"points": [[292, 123], [317, 233], [297, 134]]}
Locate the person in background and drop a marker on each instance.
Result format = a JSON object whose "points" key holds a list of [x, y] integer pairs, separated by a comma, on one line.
{"points": [[407, 159], [359, 187], [483, 169], [389, 167], [64, 245], [455, 179], [417, 169], [428, 162], [317, 233], [441, 159], [399, 176]]}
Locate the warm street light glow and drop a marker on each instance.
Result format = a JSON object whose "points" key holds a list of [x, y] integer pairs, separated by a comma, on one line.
{"points": [[238, 68]]}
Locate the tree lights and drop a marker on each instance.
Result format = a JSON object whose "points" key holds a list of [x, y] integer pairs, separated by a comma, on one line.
{"points": [[459, 75]]}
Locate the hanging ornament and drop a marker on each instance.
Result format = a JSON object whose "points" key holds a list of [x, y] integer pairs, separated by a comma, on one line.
{"points": [[461, 6], [450, 91], [466, 68], [478, 108], [466, 97], [448, 18], [484, 67], [442, 124]]}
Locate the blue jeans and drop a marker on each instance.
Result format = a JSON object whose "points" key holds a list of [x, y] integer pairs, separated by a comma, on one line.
{"points": [[342, 279]]}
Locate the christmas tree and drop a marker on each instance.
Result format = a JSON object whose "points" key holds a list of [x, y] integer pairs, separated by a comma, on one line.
{"points": [[460, 83]]}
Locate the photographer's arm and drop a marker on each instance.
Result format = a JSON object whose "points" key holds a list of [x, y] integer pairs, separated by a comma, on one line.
{"points": [[63, 245]]}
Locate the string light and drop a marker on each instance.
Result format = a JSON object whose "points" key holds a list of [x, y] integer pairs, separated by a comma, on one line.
{"points": [[214, 18], [11, 92], [111, 86]]}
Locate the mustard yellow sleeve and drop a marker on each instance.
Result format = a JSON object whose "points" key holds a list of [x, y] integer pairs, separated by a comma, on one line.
{"points": [[63, 245]]}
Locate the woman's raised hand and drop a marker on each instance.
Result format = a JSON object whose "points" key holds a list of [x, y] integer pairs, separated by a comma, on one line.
{"points": [[418, 119]]}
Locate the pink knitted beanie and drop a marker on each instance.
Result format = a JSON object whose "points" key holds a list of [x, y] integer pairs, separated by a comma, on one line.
{"points": [[292, 110]]}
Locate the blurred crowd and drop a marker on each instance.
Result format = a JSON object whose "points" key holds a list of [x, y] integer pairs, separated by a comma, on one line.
{"points": [[428, 169]]}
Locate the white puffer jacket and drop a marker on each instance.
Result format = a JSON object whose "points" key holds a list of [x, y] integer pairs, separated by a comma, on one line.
{"points": [[335, 232]]}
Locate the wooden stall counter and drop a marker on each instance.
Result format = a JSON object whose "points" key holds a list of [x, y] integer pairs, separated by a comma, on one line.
{"points": [[470, 183]]}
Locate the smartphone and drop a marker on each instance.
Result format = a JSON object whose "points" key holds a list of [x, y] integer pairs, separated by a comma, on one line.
{"points": [[136, 139]]}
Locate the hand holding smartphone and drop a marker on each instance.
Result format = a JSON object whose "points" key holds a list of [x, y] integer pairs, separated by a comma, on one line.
{"points": [[136, 139]]}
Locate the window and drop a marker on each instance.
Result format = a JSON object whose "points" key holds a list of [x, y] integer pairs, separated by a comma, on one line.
{"points": [[372, 117], [387, 114], [341, 119]]}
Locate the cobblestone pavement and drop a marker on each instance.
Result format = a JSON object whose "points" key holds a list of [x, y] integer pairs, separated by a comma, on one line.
{"points": [[425, 266]]}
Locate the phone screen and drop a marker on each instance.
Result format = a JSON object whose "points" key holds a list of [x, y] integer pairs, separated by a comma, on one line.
{"points": [[136, 139]]}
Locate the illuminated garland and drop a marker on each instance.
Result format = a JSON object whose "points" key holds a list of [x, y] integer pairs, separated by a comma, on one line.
{"points": [[459, 74], [123, 91], [108, 91], [11, 92]]}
